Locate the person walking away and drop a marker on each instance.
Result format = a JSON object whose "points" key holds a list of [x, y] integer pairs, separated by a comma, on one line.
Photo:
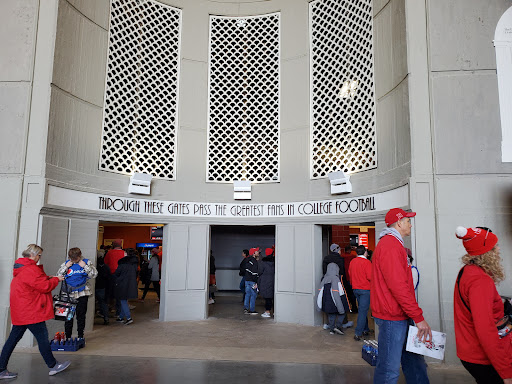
{"points": [[348, 256], [31, 305], [76, 272], [394, 305], [154, 277], [478, 308], [112, 258], [332, 300], [126, 284], [245, 255], [266, 280], [360, 272], [251, 283], [101, 286]]}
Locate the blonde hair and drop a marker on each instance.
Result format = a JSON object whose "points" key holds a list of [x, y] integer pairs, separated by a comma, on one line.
{"points": [[32, 249], [490, 262]]}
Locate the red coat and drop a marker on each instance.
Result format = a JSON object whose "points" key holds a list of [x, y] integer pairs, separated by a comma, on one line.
{"points": [[360, 273], [476, 334], [31, 297], [392, 294], [347, 259], [112, 259]]}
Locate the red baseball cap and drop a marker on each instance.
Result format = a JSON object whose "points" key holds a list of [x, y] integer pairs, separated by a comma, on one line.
{"points": [[269, 251], [396, 214], [252, 251]]}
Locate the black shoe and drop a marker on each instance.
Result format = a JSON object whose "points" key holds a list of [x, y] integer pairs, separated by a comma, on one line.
{"points": [[358, 338], [106, 321], [119, 320], [366, 333], [338, 331], [253, 312]]}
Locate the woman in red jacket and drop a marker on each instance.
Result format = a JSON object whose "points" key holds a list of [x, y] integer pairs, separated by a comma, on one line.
{"points": [[478, 307], [31, 305]]}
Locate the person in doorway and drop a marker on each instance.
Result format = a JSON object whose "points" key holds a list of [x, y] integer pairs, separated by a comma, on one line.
{"points": [[394, 305], [334, 256], [332, 299], [112, 258], [31, 305], [126, 284], [348, 256], [245, 255], [251, 283], [360, 272], [266, 280], [212, 283], [153, 277], [76, 272], [478, 308], [100, 288]]}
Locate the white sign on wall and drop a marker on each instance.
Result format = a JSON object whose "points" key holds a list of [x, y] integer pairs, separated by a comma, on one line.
{"points": [[62, 197]]}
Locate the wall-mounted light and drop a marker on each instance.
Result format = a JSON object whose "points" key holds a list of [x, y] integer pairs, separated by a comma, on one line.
{"points": [[140, 183], [340, 183], [242, 190], [348, 89]]}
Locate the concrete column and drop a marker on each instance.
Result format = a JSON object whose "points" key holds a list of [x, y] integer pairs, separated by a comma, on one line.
{"points": [[184, 272], [298, 272]]}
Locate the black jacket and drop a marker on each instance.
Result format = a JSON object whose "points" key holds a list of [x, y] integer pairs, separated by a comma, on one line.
{"points": [[334, 258], [251, 269], [126, 278], [267, 271], [103, 278]]}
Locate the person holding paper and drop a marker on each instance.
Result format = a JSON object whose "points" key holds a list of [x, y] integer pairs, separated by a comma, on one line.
{"points": [[477, 308], [394, 305]]}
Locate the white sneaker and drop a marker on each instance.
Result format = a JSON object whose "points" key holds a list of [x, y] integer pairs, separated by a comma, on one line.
{"points": [[265, 314], [211, 301], [326, 326], [59, 367]]}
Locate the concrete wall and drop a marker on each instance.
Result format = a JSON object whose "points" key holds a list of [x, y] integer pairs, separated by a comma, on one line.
{"points": [[78, 88], [472, 186]]}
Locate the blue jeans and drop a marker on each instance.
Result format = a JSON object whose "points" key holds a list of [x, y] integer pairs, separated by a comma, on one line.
{"points": [[392, 341], [125, 310], [40, 332], [250, 296], [363, 303], [335, 320]]}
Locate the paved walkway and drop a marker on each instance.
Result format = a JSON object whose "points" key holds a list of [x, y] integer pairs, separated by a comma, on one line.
{"points": [[229, 347]]}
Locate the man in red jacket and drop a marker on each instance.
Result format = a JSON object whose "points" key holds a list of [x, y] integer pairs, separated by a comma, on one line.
{"points": [[394, 305], [31, 305], [360, 273]]}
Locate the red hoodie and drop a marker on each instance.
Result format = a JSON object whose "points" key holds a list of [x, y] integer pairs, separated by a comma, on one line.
{"points": [[31, 297], [476, 334], [392, 291]]}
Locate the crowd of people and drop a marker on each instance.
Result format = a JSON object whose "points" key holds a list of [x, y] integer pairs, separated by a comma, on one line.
{"points": [[385, 282], [258, 277]]}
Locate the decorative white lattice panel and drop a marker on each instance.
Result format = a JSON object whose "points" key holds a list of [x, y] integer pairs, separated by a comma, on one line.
{"points": [[244, 99], [342, 89], [141, 96]]}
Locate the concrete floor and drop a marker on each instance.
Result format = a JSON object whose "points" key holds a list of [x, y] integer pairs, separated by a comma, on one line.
{"points": [[229, 347]]}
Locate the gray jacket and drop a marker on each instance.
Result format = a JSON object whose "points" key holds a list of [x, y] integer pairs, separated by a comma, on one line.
{"points": [[153, 267]]}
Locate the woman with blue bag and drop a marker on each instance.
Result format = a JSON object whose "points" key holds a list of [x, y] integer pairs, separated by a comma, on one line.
{"points": [[77, 271]]}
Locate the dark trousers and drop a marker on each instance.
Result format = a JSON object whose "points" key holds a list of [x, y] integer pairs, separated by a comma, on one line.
{"points": [[483, 374], [156, 285], [81, 311], [269, 303], [40, 332], [102, 302]]}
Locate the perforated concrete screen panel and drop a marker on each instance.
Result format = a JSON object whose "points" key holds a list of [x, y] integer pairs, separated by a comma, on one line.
{"points": [[244, 99], [342, 88], [141, 100]]}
